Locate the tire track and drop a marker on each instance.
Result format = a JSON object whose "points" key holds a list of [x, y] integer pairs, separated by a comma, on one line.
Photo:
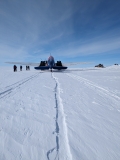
{"points": [[56, 126], [59, 110], [9, 89], [94, 86]]}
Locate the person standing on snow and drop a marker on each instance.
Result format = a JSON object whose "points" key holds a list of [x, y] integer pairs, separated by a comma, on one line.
{"points": [[15, 68], [20, 68]]}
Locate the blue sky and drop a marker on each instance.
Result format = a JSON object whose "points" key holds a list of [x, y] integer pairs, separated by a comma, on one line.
{"points": [[79, 30]]}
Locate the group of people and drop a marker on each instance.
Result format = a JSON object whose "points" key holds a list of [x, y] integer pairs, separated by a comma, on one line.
{"points": [[27, 67], [15, 68]]}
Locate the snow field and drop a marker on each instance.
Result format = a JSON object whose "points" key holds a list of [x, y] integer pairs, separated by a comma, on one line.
{"points": [[67, 115], [92, 116]]}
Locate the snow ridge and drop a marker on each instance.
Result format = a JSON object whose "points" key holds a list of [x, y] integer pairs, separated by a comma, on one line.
{"points": [[57, 127], [59, 106]]}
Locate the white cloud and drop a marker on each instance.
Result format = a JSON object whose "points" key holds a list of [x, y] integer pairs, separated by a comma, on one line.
{"points": [[7, 52], [90, 47]]}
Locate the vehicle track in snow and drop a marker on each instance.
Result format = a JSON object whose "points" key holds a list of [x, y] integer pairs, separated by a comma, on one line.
{"points": [[59, 113], [94, 86], [7, 91], [56, 128]]}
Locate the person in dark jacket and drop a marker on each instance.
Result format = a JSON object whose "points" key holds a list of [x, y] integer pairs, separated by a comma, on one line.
{"points": [[20, 68], [15, 68]]}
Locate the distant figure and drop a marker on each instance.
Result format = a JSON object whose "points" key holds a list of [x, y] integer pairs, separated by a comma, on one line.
{"points": [[15, 68], [26, 68], [20, 68]]}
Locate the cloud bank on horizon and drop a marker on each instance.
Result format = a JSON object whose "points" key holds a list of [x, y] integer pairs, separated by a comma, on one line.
{"points": [[70, 30]]}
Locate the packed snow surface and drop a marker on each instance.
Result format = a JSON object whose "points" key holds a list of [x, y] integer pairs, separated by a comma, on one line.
{"points": [[70, 115]]}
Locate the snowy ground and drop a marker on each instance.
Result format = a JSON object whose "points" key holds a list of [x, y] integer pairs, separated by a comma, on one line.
{"points": [[71, 115]]}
